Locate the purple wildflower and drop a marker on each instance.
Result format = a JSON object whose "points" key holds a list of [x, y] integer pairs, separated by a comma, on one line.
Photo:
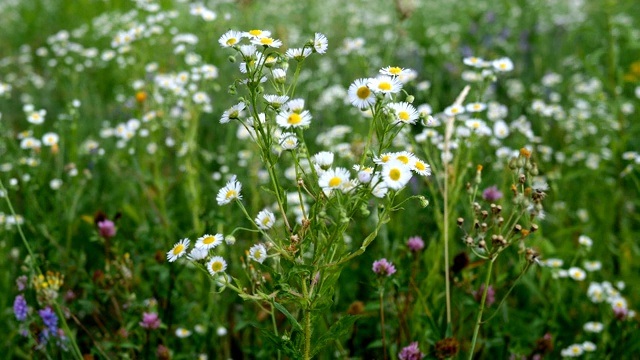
{"points": [[21, 282], [491, 295], [107, 228], [50, 319], [411, 352], [150, 321], [20, 308], [383, 267], [492, 194], [415, 243]]}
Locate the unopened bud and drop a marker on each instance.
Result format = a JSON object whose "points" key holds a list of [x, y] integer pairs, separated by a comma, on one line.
{"points": [[231, 59], [512, 164], [423, 201], [468, 240], [410, 99]]}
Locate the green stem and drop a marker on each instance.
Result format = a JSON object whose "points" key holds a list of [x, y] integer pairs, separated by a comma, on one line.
{"points": [[384, 340], [307, 334], [479, 320]]}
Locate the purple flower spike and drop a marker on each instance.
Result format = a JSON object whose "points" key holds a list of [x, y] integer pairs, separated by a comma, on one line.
{"points": [[20, 308]]}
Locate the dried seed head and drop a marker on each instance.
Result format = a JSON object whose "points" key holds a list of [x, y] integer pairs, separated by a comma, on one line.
{"points": [[500, 221], [517, 228], [482, 244], [484, 214], [468, 241], [534, 228], [522, 178], [460, 221]]}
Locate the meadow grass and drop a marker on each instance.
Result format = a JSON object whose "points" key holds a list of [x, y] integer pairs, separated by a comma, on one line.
{"points": [[490, 213]]}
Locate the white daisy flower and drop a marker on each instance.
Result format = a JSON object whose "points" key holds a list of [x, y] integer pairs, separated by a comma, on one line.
{"points": [[233, 113], [404, 113], [577, 274], [265, 219], [592, 265], [360, 95], [258, 253], [290, 119], [585, 241], [295, 105], [502, 65], [288, 141], [385, 84], [364, 173], [474, 61], [36, 117], [320, 43], [500, 129], [572, 351], [267, 41], [554, 263], [454, 110], [396, 174], [197, 254], [333, 179], [384, 158], [593, 326], [30, 143], [420, 167], [256, 34], [394, 71], [476, 107], [50, 139], [230, 38], [216, 265], [323, 159], [230, 192], [179, 249], [201, 98], [380, 188], [275, 100], [182, 332], [298, 53], [588, 346], [208, 241], [404, 157]]}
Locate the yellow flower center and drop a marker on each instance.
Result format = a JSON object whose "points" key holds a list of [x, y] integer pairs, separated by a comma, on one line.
{"points": [[503, 66], [335, 181], [395, 70], [266, 220], [363, 92], [232, 41], [266, 41], [404, 116], [255, 32], [257, 254], [404, 159], [294, 119], [36, 116], [394, 174], [385, 158], [231, 193], [216, 266], [454, 110], [420, 166], [208, 240], [384, 86], [178, 249], [476, 125], [577, 274]]}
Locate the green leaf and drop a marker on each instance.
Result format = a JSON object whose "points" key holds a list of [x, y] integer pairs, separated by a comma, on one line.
{"points": [[292, 320], [338, 330], [287, 346]]}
